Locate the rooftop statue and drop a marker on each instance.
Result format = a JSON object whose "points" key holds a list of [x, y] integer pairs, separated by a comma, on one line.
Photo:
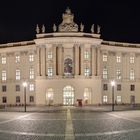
{"points": [[81, 27], [68, 25], [54, 28], [92, 28], [43, 28], [37, 29]]}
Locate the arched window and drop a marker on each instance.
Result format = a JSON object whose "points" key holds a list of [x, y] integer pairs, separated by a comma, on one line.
{"points": [[49, 96], [68, 66]]}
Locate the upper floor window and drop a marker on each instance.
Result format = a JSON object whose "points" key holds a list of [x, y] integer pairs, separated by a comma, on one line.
{"points": [[17, 58], [86, 54], [118, 59], [50, 55], [4, 88], [31, 87], [118, 72], [17, 74], [32, 73], [132, 87], [105, 73], [119, 87], [17, 99], [87, 71], [104, 57], [17, 87], [132, 75], [105, 87], [50, 71], [4, 75], [3, 60], [132, 60], [68, 66], [31, 58]]}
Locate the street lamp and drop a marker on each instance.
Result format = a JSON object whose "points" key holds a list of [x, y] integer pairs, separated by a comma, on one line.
{"points": [[25, 85], [113, 85]]}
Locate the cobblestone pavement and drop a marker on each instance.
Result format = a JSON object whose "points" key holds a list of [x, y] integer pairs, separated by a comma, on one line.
{"points": [[70, 123]]}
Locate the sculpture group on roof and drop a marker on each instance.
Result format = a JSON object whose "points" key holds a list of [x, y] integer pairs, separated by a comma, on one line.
{"points": [[68, 25]]}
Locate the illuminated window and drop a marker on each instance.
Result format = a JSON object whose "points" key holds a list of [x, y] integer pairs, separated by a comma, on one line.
{"points": [[118, 58], [132, 75], [31, 73], [104, 57], [17, 74], [50, 55], [104, 99], [118, 72], [31, 87], [132, 59], [86, 54], [3, 60], [50, 71], [31, 58], [17, 59], [105, 73], [87, 71], [4, 75], [119, 99]]}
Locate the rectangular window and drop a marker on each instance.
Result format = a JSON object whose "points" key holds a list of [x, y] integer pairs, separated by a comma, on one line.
{"points": [[105, 87], [132, 75], [118, 58], [18, 74], [132, 60], [50, 71], [132, 87], [4, 89], [86, 54], [104, 58], [17, 99], [4, 99], [17, 87], [3, 60], [31, 73], [104, 99], [119, 99], [31, 87], [87, 71], [4, 75], [105, 73], [17, 58], [31, 58], [31, 99], [118, 72], [119, 88], [50, 55]]}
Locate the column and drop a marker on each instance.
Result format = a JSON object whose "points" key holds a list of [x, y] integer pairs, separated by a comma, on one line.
{"points": [[54, 60], [82, 63], [60, 60], [43, 61], [76, 53], [94, 61], [46, 61], [38, 61], [98, 61]]}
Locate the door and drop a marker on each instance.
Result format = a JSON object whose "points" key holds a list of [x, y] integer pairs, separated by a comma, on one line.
{"points": [[68, 95]]}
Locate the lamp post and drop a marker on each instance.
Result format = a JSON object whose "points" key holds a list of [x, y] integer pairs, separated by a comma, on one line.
{"points": [[24, 85], [113, 85]]}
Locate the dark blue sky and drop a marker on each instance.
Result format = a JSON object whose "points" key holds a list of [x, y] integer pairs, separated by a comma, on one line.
{"points": [[120, 21]]}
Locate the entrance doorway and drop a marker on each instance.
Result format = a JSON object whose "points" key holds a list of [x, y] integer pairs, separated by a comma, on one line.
{"points": [[68, 95]]}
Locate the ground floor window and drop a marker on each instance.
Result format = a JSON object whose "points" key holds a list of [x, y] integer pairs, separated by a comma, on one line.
{"points": [[87, 95], [4, 99], [119, 99], [68, 95], [31, 99], [104, 99], [18, 99], [49, 96]]}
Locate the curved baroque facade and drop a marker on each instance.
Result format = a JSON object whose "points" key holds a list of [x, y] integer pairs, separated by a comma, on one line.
{"points": [[68, 66]]}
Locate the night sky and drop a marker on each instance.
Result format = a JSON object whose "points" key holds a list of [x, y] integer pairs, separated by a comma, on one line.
{"points": [[119, 21]]}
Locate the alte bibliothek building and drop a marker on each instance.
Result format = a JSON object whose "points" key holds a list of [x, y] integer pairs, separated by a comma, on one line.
{"points": [[69, 65]]}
